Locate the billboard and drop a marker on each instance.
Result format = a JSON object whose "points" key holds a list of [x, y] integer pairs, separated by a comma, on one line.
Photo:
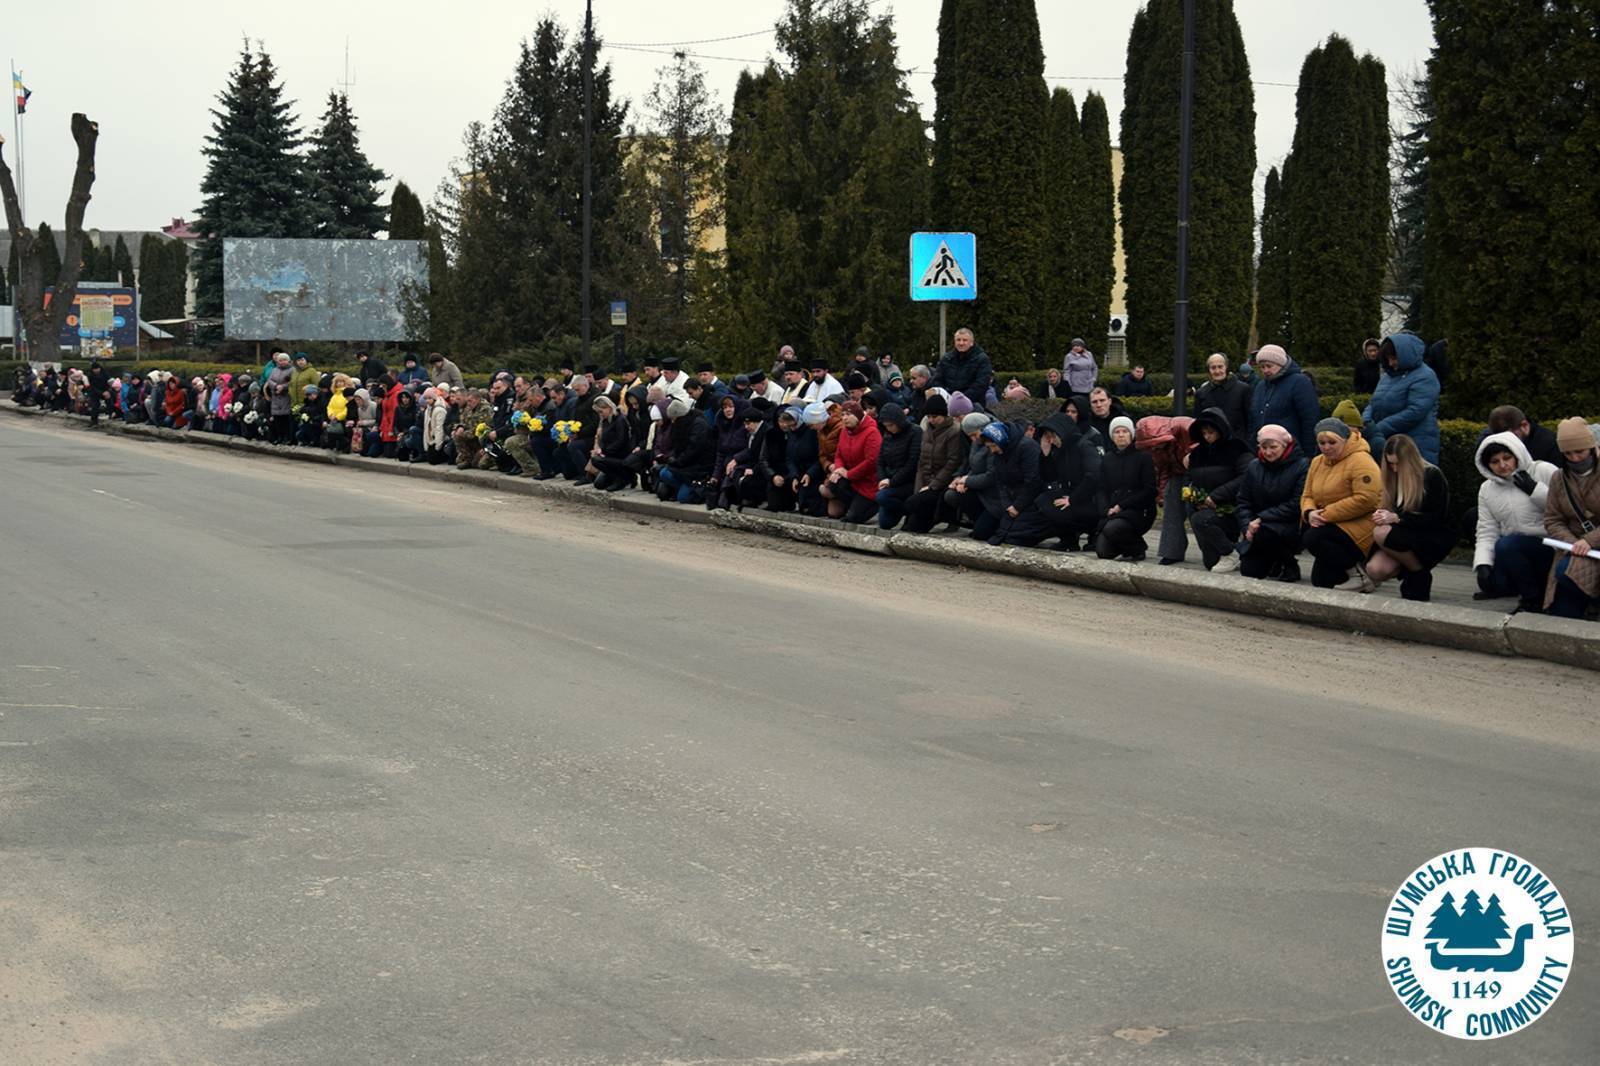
{"points": [[283, 289], [103, 316]]}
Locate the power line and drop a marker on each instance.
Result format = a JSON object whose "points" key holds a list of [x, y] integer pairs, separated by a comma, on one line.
{"points": [[703, 40]]}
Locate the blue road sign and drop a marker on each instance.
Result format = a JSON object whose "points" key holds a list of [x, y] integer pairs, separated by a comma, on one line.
{"points": [[619, 313], [944, 266]]}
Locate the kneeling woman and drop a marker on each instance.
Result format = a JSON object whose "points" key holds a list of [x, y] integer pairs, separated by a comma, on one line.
{"points": [[1343, 488], [1269, 507], [1128, 493], [1413, 528]]}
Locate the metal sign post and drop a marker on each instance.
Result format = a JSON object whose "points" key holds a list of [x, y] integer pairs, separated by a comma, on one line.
{"points": [[944, 267]]}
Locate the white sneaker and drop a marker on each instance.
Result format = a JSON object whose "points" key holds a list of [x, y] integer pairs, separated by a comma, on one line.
{"points": [[1226, 565], [1358, 581]]}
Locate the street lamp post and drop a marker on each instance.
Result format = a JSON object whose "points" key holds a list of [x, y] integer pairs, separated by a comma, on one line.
{"points": [[1180, 335]]}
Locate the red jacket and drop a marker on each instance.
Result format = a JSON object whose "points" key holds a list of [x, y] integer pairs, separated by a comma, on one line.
{"points": [[391, 400], [1166, 438], [176, 404], [857, 456]]}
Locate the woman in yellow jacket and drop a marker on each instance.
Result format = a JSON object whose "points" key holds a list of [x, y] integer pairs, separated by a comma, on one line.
{"points": [[1343, 489]]}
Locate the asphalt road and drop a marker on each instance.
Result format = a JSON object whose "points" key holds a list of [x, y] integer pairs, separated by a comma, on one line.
{"points": [[303, 765]]}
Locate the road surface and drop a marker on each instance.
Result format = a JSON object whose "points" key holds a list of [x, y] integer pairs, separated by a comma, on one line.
{"points": [[305, 765]]}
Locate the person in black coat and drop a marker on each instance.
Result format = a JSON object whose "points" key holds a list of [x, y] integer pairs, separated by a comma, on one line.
{"points": [[1227, 394], [966, 369], [1127, 497], [99, 382], [1068, 506], [691, 450], [1269, 507], [1135, 383], [1414, 532], [613, 443], [1216, 466], [1437, 357], [1369, 368], [803, 459], [898, 453]]}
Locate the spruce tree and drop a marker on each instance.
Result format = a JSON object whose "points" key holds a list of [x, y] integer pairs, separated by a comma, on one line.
{"points": [[682, 159], [255, 183], [1097, 241], [833, 163], [1513, 178], [1064, 283], [994, 111], [154, 290], [1272, 271], [1338, 204], [121, 262], [406, 221], [344, 184], [517, 234], [1222, 210]]}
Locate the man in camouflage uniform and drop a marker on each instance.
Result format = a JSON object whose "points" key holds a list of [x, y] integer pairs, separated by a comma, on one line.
{"points": [[519, 444], [469, 445]]}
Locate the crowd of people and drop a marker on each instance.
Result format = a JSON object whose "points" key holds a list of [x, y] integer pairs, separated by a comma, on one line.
{"points": [[1257, 477]]}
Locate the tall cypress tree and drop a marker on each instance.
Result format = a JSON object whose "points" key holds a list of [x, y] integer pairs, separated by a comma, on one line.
{"points": [[156, 292], [344, 184], [122, 262], [833, 163], [1513, 179], [994, 107], [1338, 206], [1097, 240], [406, 221], [1222, 209], [1064, 281], [1272, 271], [255, 183]]}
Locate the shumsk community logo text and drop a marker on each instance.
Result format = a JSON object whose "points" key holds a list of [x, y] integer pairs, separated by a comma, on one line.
{"points": [[1477, 943]]}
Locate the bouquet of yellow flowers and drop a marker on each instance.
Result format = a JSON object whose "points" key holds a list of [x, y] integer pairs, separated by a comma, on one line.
{"points": [[482, 430], [563, 431], [535, 424], [1194, 496]]}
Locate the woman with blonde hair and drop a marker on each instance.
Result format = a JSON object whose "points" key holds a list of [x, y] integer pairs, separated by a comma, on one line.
{"points": [[1412, 530]]}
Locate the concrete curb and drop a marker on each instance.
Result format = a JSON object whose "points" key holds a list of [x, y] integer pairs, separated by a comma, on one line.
{"points": [[1559, 640]]}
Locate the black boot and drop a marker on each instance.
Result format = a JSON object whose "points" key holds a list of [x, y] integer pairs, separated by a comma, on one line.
{"points": [[1417, 585]]}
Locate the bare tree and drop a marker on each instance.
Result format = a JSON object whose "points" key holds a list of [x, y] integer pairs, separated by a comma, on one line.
{"points": [[40, 319]]}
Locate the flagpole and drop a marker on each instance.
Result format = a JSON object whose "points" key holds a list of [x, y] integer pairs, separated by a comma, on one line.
{"points": [[16, 129]]}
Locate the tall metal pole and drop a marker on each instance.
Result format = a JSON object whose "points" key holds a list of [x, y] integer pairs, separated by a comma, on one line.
{"points": [[1180, 334], [588, 94], [16, 129]]}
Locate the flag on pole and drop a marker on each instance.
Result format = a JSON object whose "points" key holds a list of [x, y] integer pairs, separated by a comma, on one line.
{"points": [[23, 93]]}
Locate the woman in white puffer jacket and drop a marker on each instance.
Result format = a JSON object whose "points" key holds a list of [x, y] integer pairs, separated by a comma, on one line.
{"points": [[1510, 557]]}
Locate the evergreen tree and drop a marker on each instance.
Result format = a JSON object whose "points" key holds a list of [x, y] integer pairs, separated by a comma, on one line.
{"points": [[516, 265], [1513, 253], [990, 115], [1494, 923], [176, 260], [1338, 204], [255, 183], [1097, 241], [1445, 922], [154, 301], [122, 262], [1222, 210], [833, 163], [1063, 292], [1410, 164], [1272, 270], [344, 184], [682, 160], [50, 267], [406, 221]]}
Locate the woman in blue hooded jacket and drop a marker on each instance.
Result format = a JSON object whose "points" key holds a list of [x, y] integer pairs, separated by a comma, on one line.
{"points": [[1407, 398]]}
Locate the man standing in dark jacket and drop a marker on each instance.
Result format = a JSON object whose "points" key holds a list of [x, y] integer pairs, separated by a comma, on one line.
{"points": [[1067, 506], [965, 369], [99, 382], [898, 454], [1227, 394]]}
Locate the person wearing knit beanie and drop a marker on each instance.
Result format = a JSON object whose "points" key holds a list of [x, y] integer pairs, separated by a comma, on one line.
{"points": [[960, 405], [974, 422], [1272, 355], [814, 414], [1337, 427], [1572, 514], [935, 405], [1120, 422], [1275, 433], [1347, 412]]}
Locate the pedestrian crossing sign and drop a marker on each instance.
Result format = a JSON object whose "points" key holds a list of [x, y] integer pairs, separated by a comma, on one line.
{"points": [[944, 266]]}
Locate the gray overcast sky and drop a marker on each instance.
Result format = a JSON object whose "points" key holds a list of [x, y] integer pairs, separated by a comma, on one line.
{"points": [[421, 72]]}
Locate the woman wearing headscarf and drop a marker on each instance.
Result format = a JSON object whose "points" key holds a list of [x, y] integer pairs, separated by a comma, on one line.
{"points": [[1412, 527], [804, 459], [1166, 439], [1572, 515], [732, 438], [281, 428], [1343, 489], [1128, 486], [1269, 507], [1216, 464], [851, 487]]}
